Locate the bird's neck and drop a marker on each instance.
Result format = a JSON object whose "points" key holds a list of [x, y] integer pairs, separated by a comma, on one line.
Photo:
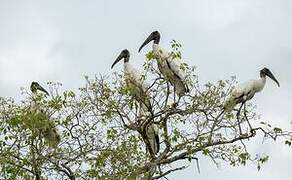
{"points": [[34, 95], [159, 53], [157, 39], [34, 104], [127, 67], [260, 84], [126, 59], [155, 47]]}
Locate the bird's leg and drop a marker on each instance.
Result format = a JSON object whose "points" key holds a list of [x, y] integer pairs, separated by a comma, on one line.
{"points": [[174, 98], [174, 95], [244, 108], [167, 95], [178, 99], [237, 115]]}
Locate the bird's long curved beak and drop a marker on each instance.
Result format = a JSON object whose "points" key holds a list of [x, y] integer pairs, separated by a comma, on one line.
{"points": [[150, 38], [39, 87], [120, 57], [270, 74]]}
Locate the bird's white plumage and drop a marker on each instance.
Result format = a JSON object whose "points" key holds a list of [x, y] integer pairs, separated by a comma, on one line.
{"points": [[48, 129], [250, 87], [244, 92], [132, 75], [170, 69], [137, 85], [34, 106], [139, 88]]}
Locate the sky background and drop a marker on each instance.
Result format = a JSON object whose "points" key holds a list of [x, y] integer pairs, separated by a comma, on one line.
{"points": [[64, 40]]}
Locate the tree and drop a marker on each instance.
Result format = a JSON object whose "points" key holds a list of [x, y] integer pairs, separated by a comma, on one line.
{"points": [[103, 135]]}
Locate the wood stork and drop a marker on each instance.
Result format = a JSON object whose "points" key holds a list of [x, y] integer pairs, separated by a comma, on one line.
{"points": [[47, 128], [168, 67], [34, 87], [246, 91], [138, 89]]}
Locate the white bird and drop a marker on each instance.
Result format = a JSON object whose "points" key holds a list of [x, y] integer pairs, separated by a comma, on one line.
{"points": [[35, 87], [246, 91], [138, 89], [168, 67], [45, 126]]}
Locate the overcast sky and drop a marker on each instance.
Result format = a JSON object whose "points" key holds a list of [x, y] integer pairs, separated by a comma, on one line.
{"points": [[65, 40]]}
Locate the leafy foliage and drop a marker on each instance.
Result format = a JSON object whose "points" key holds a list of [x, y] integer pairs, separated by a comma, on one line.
{"points": [[102, 135]]}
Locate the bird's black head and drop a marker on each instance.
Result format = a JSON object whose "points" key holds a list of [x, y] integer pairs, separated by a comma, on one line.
{"points": [[125, 54], [266, 72], [34, 87], [154, 36]]}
